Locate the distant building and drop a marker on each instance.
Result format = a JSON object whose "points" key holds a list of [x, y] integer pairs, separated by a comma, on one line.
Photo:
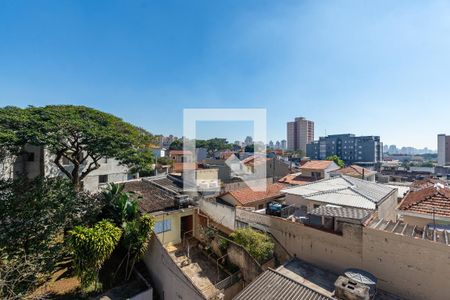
{"points": [[284, 145], [299, 134], [38, 161], [350, 148], [443, 150]]}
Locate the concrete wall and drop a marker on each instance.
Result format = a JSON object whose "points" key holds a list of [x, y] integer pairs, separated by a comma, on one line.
{"points": [[386, 209], [408, 267], [328, 250], [168, 280], [248, 266], [219, 213]]}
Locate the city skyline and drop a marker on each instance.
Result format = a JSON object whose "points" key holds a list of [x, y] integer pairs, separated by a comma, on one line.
{"points": [[382, 73]]}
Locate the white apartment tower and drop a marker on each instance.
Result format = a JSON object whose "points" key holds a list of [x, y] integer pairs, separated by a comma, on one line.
{"points": [[443, 150], [299, 134]]}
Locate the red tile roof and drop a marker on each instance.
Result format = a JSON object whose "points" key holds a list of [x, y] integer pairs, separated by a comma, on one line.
{"points": [[425, 183], [434, 199], [355, 171], [180, 167], [296, 179], [317, 164], [246, 196]]}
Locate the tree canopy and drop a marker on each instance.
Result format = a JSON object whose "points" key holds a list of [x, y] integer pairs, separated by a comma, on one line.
{"points": [[79, 134], [34, 215], [337, 160]]}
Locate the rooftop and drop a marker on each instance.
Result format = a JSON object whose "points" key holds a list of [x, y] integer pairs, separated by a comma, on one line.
{"points": [[179, 152], [153, 197], [317, 164], [425, 183], [355, 171], [296, 280], [343, 191], [280, 284], [433, 200], [342, 212], [295, 179], [247, 195]]}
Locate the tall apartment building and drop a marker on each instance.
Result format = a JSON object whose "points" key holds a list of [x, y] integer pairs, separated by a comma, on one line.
{"points": [[299, 134], [443, 150], [350, 148]]}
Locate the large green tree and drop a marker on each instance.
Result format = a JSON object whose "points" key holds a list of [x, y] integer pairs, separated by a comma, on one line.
{"points": [[34, 215], [81, 135]]}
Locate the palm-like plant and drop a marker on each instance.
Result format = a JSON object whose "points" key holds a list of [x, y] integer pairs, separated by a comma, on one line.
{"points": [[123, 208]]}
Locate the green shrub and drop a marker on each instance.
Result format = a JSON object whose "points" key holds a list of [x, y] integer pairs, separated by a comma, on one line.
{"points": [[258, 244], [91, 248]]}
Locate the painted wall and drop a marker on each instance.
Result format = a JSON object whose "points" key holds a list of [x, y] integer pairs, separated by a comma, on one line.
{"points": [[219, 213], [173, 236]]}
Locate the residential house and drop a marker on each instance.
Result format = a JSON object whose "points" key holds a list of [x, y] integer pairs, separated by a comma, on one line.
{"points": [[275, 168], [428, 206], [178, 265], [344, 191], [318, 169], [247, 197], [356, 172]]}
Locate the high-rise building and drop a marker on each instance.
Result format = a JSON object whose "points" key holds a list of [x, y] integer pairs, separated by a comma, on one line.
{"points": [[350, 148], [299, 134], [443, 150], [283, 144]]}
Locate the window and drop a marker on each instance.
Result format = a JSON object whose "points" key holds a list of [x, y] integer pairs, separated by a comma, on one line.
{"points": [[163, 226], [316, 206], [103, 179]]}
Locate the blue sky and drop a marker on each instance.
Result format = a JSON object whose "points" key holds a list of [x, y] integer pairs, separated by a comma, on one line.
{"points": [[365, 67]]}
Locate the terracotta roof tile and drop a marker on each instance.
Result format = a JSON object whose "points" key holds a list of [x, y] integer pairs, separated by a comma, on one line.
{"points": [[296, 179], [426, 183], [316, 164], [247, 196], [433, 199], [355, 171]]}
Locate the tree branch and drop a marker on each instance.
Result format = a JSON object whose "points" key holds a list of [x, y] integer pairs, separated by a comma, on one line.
{"points": [[57, 161], [94, 165]]}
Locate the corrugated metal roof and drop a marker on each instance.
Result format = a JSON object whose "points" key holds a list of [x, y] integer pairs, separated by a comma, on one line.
{"points": [[342, 212], [272, 285], [343, 190]]}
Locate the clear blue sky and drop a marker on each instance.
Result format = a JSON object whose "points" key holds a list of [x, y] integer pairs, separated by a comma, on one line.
{"points": [[365, 67]]}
